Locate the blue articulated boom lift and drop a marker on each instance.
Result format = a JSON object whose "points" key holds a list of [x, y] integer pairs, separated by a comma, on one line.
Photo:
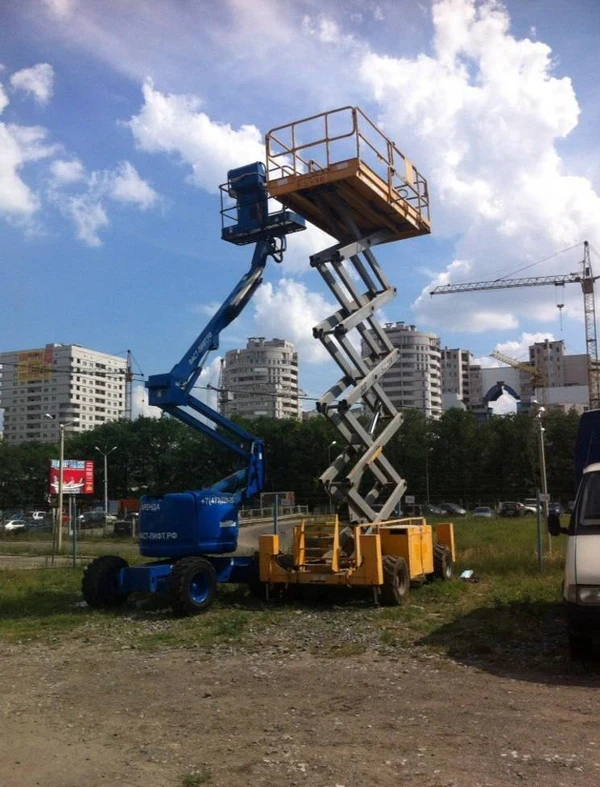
{"points": [[188, 534]]}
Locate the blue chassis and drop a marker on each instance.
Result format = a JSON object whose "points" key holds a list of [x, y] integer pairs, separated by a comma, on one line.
{"points": [[153, 577]]}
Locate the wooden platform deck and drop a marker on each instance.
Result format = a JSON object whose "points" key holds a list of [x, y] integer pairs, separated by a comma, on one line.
{"points": [[370, 202]]}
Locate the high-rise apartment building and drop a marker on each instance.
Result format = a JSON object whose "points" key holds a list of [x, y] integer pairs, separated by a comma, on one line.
{"points": [[78, 387], [456, 374], [261, 379], [415, 380]]}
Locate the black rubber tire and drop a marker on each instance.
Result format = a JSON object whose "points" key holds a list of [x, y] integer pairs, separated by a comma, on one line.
{"points": [[443, 566], [100, 583], [580, 647], [192, 586], [396, 581]]}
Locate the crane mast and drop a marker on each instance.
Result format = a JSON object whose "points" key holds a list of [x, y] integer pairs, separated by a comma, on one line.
{"points": [[587, 280]]}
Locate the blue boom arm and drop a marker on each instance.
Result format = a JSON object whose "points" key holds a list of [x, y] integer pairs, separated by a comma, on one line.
{"points": [[172, 392]]}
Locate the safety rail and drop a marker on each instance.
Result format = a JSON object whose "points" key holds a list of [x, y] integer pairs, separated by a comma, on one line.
{"points": [[317, 146]]}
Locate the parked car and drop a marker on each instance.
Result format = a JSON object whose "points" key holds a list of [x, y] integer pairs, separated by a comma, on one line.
{"points": [[483, 512], [39, 525], [529, 509], [95, 519], [431, 510], [511, 508], [14, 524], [126, 526], [453, 508]]}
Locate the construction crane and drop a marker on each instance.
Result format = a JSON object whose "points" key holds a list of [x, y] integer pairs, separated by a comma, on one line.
{"points": [[587, 280], [538, 378]]}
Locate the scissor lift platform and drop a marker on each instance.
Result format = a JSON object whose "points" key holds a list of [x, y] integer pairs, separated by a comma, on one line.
{"points": [[340, 156]]}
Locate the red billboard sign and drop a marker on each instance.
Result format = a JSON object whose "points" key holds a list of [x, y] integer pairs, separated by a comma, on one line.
{"points": [[78, 477]]}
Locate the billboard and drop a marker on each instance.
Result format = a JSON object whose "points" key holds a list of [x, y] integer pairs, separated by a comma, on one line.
{"points": [[35, 365], [78, 477]]}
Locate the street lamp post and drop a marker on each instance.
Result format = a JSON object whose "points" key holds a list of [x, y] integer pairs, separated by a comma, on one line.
{"points": [[61, 463], [430, 438], [329, 447], [542, 450], [427, 449], [105, 455]]}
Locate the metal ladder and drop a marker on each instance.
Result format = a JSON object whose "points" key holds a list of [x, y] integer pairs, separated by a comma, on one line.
{"points": [[346, 268]]}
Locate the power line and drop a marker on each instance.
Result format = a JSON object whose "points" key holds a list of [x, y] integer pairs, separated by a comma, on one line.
{"points": [[258, 393]]}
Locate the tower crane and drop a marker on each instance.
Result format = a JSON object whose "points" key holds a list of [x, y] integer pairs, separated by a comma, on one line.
{"points": [[538, 378], [587, 280]]}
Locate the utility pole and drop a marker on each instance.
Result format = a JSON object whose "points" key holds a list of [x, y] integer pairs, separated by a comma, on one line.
{"points": [[105, 455], [61, 463]]}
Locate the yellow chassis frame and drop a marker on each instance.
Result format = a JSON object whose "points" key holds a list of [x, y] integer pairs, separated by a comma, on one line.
{"points": [[319, 557]]}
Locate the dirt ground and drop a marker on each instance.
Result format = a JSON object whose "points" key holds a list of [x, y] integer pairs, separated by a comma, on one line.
{"points": [[103, 714]]}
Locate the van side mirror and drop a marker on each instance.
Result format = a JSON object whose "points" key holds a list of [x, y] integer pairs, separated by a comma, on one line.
{"points": [[554, 527]]}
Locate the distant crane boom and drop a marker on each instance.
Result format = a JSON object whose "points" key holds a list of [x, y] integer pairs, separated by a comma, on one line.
{"points": [[587, 280], [538, 378], [504, 284]]}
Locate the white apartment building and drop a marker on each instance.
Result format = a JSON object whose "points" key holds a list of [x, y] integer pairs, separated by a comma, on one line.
{"points": [[78, 387], [261, 379], [456, 373], [415, 380]]}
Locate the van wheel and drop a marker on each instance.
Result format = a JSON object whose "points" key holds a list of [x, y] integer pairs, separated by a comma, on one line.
{"points": [[396, 581], [580, 646]]}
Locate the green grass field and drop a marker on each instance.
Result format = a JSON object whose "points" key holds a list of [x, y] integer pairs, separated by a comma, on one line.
{"points": [[511, 613]]}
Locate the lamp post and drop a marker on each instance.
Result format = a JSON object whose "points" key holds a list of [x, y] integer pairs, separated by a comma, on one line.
{"points": [[430, 438], [61, 463], [542, 450], [105, 455], [329, 447], [427, 450]]}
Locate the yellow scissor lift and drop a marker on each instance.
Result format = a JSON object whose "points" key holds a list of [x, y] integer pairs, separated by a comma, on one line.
{"points": [[342, 174]]}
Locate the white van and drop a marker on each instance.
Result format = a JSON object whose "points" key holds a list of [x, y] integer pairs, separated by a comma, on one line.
{"points": [[581, 588]]}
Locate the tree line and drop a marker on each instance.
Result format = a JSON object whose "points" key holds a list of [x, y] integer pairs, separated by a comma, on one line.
{"points": [[455, 459]]}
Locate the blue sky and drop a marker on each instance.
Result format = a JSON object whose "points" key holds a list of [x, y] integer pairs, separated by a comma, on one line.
{"points": [[119, 120]]}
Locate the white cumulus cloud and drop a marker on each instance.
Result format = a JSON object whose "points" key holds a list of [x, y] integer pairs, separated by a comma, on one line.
{"points": [[140, 406], [20, 145], [127, 186], [38, 81], [61, 8], [66, 172], [290, 311], [482, 116], [174, 124], [88, 215], [88, 208]]}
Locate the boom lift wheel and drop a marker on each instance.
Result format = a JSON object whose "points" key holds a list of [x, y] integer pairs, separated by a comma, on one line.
{"points": [[100, 583], [192, 586], [443, 567], [396, 581]]}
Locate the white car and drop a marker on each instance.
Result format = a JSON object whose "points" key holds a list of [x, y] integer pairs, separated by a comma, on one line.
{"points": [[14, 524]]}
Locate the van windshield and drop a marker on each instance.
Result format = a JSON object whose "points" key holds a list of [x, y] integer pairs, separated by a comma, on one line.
{"points": [[589, 515]]}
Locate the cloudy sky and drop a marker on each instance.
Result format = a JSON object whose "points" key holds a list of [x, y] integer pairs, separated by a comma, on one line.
{"points": [[118, 121]]}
